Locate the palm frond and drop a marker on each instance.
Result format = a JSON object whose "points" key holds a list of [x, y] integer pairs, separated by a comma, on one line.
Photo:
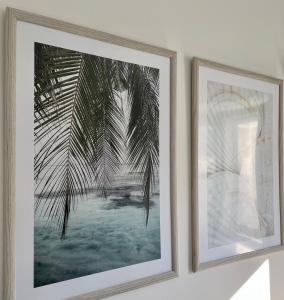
{"points": [[76, 135], [143, 127]]}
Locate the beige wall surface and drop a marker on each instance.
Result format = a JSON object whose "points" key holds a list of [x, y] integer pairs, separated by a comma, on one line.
{"points": [[247, 34]]}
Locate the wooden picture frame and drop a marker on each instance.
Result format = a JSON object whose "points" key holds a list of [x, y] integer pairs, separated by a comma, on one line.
{"points": [[15, 17], [211, 82]]}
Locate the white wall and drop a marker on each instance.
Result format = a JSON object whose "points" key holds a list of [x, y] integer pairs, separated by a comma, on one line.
{"points": [[245, 33]]}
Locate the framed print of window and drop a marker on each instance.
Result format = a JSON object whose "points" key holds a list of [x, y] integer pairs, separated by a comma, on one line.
{"points": [[89, 185], [236, 164]]}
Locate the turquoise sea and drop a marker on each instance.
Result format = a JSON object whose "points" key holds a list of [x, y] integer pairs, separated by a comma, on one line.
{"points": [[103, 234]]}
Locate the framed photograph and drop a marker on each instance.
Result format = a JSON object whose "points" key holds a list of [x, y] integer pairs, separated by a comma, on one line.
{"points": [[236, 164], [89, 147]]}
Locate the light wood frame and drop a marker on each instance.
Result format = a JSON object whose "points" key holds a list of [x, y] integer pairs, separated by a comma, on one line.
{"points": [[12, 17], [196, 63]]}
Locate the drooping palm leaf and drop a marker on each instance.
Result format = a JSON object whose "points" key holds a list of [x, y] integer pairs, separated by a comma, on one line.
{"points": [[76, 129], [143, 128]]}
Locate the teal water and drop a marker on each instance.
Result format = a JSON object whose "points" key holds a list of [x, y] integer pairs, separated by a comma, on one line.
{"points": [[103, 234]]}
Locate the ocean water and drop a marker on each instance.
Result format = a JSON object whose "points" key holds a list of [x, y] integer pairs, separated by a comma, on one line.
{"points": [[103, 234]]}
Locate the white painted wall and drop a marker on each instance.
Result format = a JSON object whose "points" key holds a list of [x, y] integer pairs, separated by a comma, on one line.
{"points": [[245, 33]]}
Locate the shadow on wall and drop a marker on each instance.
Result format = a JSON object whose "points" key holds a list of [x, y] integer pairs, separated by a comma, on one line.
{"points": [[243, 280], [257, 286]]}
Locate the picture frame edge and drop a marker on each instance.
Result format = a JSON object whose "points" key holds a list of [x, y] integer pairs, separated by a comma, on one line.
{"points": [[9, 157], [37, 19], [173, 186], [240, 257], [194, 164], [280, 154], [196, 63], [126, 287], [12, 16], [235, 70]]}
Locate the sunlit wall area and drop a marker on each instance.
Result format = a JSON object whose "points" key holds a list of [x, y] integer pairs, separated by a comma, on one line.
{"points": [[257, 286]]}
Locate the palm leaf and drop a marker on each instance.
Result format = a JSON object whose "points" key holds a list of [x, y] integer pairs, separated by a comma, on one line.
{"points": [[76, 136], [143, 128]]}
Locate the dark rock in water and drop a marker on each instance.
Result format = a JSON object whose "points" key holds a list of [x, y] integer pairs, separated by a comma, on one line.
{"points": [[69, 246], [127, 201], [93, 247]]}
